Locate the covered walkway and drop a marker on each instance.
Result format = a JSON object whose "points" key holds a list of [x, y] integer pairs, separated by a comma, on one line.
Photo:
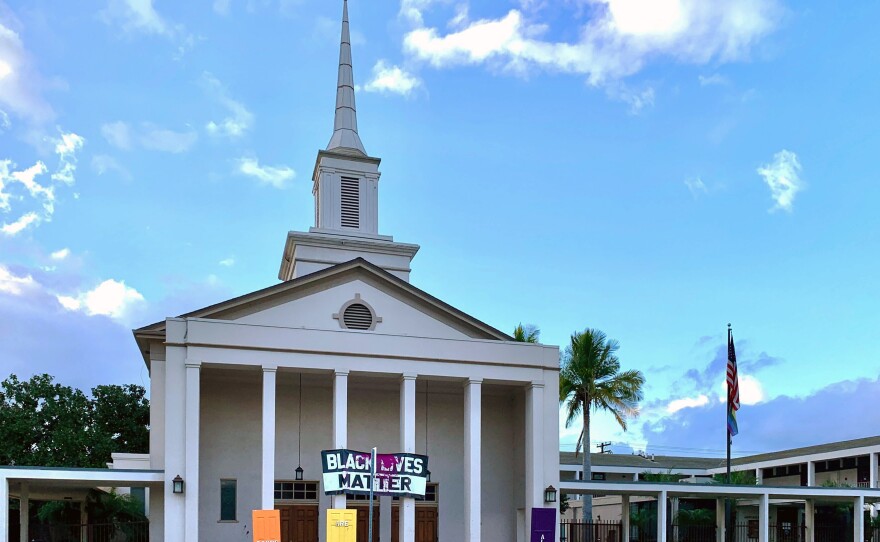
{"points": [[57, 484], [762, 494]]}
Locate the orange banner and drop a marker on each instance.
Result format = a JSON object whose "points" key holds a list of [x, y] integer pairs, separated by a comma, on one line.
{"points": [[267, 525]]}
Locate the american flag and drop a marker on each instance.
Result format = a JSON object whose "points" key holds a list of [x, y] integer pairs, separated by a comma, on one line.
{"points": [[732, 387]]}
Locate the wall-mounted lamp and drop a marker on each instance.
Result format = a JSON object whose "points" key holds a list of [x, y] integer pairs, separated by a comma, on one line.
{"points": [[550, 495], [177, 485]]}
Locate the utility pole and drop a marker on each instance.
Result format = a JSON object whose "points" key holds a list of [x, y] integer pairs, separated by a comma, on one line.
{"points": [[602, 447]]}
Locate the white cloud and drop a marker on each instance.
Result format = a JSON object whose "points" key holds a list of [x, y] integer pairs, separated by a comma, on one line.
{"points": [[710, 80], [617, 42], [60, 255], [238, 121], [5, 123], [228, 262], [782, 176], [136, 16], [15, 285], [110, 298], [20, 84], [392, 79], [162, 139], [697, 187], [687, 402], [635, 99], [14, 228], [104, 164], [117, 134], [221, 7], [276, 176], [66, 146]]}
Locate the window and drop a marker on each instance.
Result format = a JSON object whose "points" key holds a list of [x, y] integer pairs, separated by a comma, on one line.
{"points": [[296, 491], [228, 500], [350, 203], [430, 494]]}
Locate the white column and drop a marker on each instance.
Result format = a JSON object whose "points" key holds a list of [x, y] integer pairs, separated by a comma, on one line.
{"points": [[859, 519], [174, 509], [872, 471], [340, 423], [759, 475], [4, 510], [811, 473], [720, 520], [24, 506], [810, 519], [384, 519], [534, 450], [661, 517], [407, 518], [764, 518], [635, 477], [472, 449], [191, 490], [267, 486], [624, 517]]}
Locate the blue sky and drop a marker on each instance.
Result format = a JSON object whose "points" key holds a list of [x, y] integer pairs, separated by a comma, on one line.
{"points": [[653, 168]]}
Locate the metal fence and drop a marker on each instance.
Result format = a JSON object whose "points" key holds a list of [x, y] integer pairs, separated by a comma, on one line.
{"points": [[102, 532], [598, 531]]}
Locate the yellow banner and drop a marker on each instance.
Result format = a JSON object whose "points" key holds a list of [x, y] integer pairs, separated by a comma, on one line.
{"points": [[341, 525], [267, 525]]}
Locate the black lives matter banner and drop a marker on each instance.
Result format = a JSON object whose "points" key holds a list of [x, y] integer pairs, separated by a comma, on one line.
{"points": [[397, 475]]}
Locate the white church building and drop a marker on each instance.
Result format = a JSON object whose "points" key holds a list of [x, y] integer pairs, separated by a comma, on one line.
{"points": [[344, 352]]}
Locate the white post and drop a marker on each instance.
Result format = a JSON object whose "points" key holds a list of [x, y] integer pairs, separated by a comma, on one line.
{"points": [[720, 523], [384, 519], [811, 473], [635, 477], [661, 517], [407, 517], [4, 510], [191, 490], [764, 518], [24, 517], [873, 482], [534, 450], [340, 423], [267, 486], [859, 519], [810, 519], [759, 475], [472, 469], [624, 518]]}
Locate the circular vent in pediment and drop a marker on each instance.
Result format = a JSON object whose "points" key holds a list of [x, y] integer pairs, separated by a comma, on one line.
{"points": [[358, 315]]}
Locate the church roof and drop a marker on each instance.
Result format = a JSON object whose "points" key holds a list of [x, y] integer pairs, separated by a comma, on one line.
{"points": [[345, 131], [477, 328]]}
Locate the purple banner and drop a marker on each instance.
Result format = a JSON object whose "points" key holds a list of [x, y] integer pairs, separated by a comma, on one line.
{"points": [[543, 525]]}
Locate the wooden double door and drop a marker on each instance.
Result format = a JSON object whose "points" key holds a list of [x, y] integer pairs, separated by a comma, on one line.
{"points": [[299, 523], [426, 524]]}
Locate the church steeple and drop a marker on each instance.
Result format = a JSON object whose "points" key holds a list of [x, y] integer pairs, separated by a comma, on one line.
{"points": [[346, 190], [345, 130]]}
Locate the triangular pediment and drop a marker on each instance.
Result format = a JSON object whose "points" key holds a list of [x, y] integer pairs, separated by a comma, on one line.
{"points": [[319, 301]]}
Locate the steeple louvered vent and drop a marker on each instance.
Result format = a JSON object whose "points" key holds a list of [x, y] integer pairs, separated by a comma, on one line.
{"points": [[350, 203], [358, 316]]}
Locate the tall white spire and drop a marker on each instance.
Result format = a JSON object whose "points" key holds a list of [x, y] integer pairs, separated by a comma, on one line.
{"points": [[345, 131]]}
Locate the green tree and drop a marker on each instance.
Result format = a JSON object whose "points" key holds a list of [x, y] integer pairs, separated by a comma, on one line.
{"points": [[526, 334], [121, 420], [43, 423], [591, 380], [737, 478]]}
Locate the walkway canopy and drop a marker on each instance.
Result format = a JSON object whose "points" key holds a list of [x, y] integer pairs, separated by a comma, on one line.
{"points": [[47, 483]]}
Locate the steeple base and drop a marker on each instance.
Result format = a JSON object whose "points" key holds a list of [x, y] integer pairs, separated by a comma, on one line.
{"points": [[306, 253]]}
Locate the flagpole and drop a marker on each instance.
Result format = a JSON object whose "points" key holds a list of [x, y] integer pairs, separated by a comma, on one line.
{"points": [[727, 507], [372, 485]]}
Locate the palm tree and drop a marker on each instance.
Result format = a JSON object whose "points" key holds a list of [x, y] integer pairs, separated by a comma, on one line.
{"points": [[526, 334], [590, 380]]}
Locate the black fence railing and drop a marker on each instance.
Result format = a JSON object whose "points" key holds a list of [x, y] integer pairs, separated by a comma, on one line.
{"points": [[102, 532], [872, 534], [692, 533], [598, 531]]}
